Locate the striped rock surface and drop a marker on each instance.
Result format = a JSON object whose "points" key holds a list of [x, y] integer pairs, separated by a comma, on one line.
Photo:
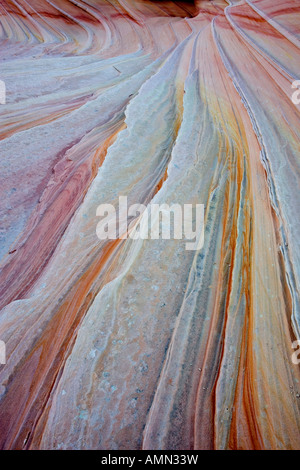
{"points": [[141, 344]]}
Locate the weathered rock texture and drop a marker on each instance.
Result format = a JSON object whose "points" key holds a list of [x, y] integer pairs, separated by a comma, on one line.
{"points": [[125, 344]]}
